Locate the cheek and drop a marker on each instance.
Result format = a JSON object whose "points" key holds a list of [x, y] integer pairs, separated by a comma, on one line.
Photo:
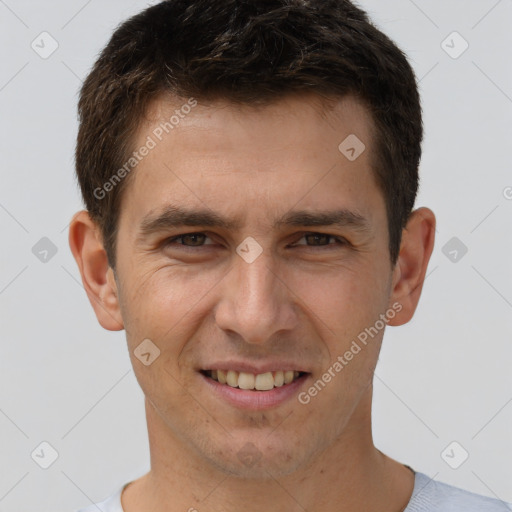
{"points": [[165, 304], [345, 301]]}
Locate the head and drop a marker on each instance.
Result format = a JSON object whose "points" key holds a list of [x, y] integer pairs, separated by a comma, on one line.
{"points": [[249, 53], [231, 120]]}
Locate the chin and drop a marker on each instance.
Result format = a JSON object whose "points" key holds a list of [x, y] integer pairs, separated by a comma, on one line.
{"points": [[258, 458]]}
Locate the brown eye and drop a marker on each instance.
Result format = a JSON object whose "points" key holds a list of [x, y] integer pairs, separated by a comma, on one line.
{"points": [[194, 239], [188, 240], [318, 239], [321, 240]]}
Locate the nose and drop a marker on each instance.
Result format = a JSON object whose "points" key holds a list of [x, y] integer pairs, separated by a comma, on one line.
{"points": [[256, 302]]}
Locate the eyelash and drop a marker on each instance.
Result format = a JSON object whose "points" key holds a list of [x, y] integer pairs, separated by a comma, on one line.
{"points": [[340, 240]]}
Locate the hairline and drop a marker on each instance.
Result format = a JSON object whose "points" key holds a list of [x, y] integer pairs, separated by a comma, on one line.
{"points": [[324, 104]]}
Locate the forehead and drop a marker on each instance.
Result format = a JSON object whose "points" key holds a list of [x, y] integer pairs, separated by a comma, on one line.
{"points": [[217, 153], [306, 117]]}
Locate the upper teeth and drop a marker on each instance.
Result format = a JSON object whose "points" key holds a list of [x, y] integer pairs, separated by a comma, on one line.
{"points": [[260, 382]]}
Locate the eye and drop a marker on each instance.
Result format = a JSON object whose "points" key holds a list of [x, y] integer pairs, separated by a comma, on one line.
{"points": [[321, 240], [312, 240], [189, 240]]}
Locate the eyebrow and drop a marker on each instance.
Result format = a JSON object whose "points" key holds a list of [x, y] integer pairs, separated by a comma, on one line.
{"points": [[175, 216]]}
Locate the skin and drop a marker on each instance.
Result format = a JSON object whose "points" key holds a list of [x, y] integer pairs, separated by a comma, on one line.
{"points": [[300, 300]]}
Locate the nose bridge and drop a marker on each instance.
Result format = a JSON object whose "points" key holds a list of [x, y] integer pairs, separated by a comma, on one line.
{"points": [[255, 303]]}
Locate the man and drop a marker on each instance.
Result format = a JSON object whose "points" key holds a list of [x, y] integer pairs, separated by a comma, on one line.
{"points": [[249, 170]]}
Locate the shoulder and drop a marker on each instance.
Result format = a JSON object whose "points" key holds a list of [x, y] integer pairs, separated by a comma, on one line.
{"points": [[432, 496], [111, 504]]}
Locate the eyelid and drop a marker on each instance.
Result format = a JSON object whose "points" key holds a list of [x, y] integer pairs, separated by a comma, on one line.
{"points": [[341, 240]]}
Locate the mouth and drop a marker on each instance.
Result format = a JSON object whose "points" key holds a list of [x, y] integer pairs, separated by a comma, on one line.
{"points": [[255, 382]]}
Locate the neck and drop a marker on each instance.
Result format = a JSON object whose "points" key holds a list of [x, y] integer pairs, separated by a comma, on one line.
{"points": [[351, 475]]}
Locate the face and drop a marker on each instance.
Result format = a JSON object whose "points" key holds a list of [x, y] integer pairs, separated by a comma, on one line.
{"points": [[249, 243]]}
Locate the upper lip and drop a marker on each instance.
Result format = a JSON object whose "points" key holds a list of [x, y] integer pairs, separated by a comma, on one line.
{"points": [[255, 368]]}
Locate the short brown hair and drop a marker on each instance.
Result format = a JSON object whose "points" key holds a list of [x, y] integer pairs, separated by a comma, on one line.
{"points": [[250, 52]]}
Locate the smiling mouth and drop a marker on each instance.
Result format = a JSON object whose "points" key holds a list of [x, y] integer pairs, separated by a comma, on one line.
{"points": [[255, 382]]}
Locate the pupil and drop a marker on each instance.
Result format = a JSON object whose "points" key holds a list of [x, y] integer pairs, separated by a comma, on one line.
{"points": [[316, 238], [194, 237]]}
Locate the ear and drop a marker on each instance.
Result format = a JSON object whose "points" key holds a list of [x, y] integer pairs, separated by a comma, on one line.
{"points": [[409, 273], [98, 277]]}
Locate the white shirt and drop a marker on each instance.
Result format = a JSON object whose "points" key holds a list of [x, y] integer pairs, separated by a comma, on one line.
{"points": [[427, 496]]}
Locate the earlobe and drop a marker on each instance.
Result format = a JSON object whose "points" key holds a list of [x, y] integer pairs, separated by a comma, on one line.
{"points": [[409, 274], [97, 276]]}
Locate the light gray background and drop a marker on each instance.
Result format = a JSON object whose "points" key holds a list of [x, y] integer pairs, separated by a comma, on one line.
{"points": [[444, 377]]}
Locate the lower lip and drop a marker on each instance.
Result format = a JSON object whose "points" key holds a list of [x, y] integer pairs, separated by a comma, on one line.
{"points": [[256, 400]]}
